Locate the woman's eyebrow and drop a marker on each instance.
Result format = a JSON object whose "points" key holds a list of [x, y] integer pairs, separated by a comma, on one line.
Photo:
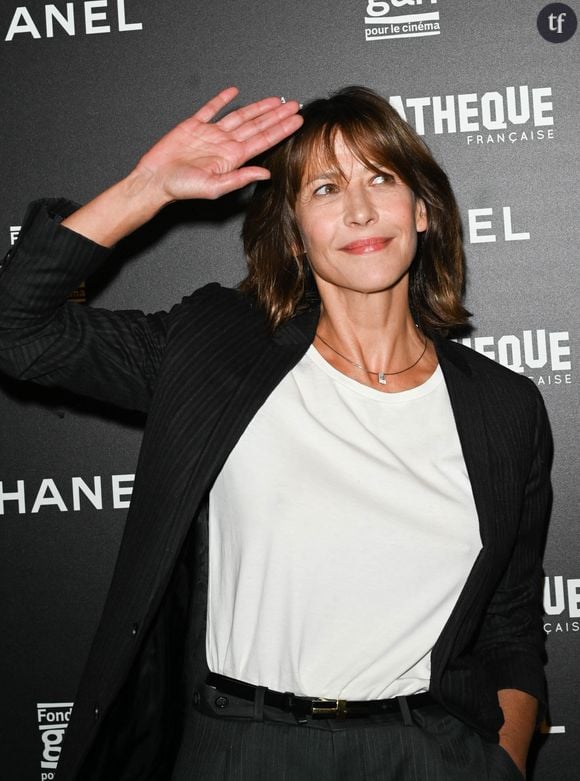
{"points": [[323, 175]]}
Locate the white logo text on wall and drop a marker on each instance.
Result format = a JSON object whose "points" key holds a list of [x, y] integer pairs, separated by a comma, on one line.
{"points": [[507, 115], [53, 719], [561, 604], [400, 19], [485, 225], [91, 17], [543, 356], [21, 497]]}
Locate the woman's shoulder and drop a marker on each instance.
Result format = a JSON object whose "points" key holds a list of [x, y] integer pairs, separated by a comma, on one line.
{"points": [[487, 371], [218, 306], [213, 292], [511, 401]]}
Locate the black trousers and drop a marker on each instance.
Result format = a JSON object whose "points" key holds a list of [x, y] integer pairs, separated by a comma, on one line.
{"points": [[242, 741]]}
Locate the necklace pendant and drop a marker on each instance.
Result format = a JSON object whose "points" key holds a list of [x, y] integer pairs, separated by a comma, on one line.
{"points": [[382, 378]]}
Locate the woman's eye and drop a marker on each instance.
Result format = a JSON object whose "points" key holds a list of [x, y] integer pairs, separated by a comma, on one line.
{"points": [[383, 178], [325, 189]]}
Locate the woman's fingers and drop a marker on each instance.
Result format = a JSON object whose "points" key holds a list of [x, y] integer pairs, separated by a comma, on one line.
{"points": [[210, 109], [248, 113], [246, 121], [269, 136], [238, 178], [262, 122], [244, 133]]}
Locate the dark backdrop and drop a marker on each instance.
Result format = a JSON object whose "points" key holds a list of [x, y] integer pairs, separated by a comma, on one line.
{"points": [[82, 97]]}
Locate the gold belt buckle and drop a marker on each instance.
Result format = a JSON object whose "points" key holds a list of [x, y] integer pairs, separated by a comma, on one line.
{"points": [[329, 709]]}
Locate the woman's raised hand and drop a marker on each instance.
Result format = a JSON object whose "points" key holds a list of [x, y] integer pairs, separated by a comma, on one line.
{"points": [[197, 159], [200, 158]]}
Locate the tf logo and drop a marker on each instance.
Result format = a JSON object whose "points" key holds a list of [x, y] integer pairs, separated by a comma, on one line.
{"points": [[557, 23]]}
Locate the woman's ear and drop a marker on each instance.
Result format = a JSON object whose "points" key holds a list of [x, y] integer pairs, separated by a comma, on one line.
{"points": [[421, 221]]}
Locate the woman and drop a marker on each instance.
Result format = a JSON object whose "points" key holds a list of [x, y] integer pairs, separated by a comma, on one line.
{"points": [[369, 500]]}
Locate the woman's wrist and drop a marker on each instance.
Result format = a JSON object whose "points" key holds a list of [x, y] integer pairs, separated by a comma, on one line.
{"points": [[517, 752], [119, 210], [520, 711]]}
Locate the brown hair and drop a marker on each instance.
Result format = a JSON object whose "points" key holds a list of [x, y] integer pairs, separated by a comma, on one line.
{"points": [[278, 271]]}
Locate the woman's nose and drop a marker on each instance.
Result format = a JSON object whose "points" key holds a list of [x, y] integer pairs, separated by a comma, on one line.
{"points": [[359, 207]]}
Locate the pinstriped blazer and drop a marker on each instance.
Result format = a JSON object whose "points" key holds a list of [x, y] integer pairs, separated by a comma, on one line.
{"points": [[200, 372]]}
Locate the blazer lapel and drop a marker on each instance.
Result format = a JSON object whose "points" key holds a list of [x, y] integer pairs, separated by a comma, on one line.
{"points": [[281, 353], [469, 416], [268, 360], [469, 412]]}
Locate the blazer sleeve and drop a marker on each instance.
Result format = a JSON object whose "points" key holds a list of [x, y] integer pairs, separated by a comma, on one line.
{"points": [[111, 356], [511, 641]]}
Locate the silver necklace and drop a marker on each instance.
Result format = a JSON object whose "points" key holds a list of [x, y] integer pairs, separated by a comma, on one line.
{"points": [[382, 376]]}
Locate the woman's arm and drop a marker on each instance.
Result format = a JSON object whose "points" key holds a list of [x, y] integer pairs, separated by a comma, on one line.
{"points": [[511, 641], [47, 339], [114, 356]]}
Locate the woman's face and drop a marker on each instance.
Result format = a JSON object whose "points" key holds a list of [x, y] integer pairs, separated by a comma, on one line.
{"points": [[359, 229]]}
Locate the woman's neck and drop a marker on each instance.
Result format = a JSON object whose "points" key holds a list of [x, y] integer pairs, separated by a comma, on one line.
{"points": [[378, 332]]}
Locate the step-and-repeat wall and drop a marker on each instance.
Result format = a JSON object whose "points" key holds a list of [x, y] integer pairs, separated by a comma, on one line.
{"points": [[87, 85]]}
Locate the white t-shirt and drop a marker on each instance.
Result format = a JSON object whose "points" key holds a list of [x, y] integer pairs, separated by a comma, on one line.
{"points": [[342, 529]]}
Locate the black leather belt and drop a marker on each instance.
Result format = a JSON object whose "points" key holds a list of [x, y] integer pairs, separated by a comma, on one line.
{"points": [[315, 708]]}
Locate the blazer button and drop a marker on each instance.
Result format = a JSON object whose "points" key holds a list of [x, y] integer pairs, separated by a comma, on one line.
{"points": [[221, 702], [134, 629], [196, 697], [96, 712]]}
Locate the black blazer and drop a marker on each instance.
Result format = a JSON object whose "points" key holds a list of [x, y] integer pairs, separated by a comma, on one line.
{"points": [[200, 372]]}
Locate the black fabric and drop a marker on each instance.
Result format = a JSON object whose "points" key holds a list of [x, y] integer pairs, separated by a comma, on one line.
{"points": [[434, 746], [201, 372]]}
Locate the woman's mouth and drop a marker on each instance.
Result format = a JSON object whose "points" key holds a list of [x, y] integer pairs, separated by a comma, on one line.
{"points": [[364, 246]]}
